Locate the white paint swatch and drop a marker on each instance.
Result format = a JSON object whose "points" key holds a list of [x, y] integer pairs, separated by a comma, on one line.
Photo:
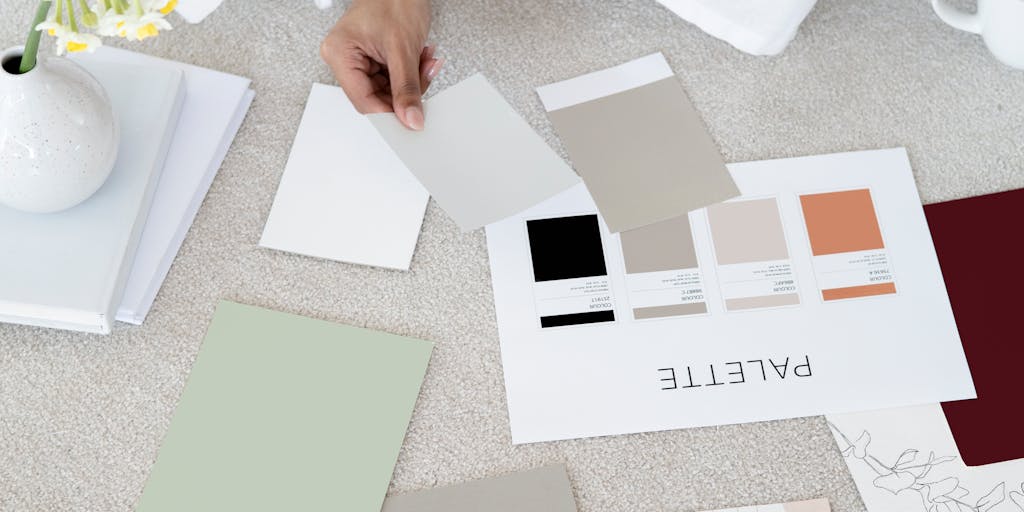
{"points": [[345, 195], [478, 158]]}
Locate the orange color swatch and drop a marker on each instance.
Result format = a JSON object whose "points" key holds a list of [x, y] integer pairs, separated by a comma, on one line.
{"points": [[851, 292], [840, 222]]}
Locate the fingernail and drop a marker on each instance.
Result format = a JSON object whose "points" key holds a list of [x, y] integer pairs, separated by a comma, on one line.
{"points": [[414, 118], [435, 69]]}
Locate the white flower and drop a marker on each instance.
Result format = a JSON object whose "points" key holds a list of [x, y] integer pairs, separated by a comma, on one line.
{"points": [[162, 6], [137, 28], [110, 23], [75, 42]]}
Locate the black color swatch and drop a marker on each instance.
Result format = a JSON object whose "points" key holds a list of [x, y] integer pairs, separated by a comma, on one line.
{"points": [[566, 248], [578, 318]]}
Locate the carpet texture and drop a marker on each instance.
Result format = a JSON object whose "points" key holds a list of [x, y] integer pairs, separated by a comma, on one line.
{"points": [[82, 417]]}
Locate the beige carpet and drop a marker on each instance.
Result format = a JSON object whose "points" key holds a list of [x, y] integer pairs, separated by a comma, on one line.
{"points": [[81, 417]]}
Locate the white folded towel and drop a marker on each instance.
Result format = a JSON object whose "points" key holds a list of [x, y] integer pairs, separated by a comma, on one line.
{"points": [[758, 27]]}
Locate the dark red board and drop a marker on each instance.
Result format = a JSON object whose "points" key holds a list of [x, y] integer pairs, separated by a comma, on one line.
{"points": [[980, 244]]}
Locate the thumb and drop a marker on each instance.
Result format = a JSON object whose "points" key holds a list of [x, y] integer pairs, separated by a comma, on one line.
{"points": [[405, 89]]}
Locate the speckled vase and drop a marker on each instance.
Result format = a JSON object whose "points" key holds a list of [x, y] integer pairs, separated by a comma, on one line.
{"points": [[58, 135]]}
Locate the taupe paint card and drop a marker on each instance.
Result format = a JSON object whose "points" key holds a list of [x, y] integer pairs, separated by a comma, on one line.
{"points": [[643, 152], [665, 245], [543, 489], [478, 158]]}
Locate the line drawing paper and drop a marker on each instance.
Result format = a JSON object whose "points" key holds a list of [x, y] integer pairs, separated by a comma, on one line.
{"points": [[905, 460], [479, 159], [773, 361], [638, 143], [344, 194]]}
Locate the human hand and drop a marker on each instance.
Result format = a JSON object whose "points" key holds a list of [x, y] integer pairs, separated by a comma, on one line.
{"points": [[378, 55]]}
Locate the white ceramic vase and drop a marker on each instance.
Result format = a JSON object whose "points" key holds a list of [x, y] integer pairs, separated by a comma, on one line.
{"points": [[58, 135]]}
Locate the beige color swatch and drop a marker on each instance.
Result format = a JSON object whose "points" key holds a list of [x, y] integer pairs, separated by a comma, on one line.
{"points": [[818, 505], [747, 231], [543, 489], [665, 245], [644, 154], [763, 301], [696, 308]]}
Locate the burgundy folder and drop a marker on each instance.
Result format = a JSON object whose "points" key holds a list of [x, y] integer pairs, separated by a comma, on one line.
{"points": [[980, 244]]}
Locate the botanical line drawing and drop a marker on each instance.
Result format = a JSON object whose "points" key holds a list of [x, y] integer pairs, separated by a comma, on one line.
{"points": [[909, 473]]}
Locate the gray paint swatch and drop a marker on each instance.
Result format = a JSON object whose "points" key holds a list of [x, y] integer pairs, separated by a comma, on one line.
{"points": [[747, 231], [644, 154], [696, 308], [665, 245], [543, 489], [478, 158]]}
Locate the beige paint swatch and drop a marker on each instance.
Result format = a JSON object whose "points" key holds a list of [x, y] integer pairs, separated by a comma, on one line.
{"points": [[643, 152], [543, 489], [747, 231]]}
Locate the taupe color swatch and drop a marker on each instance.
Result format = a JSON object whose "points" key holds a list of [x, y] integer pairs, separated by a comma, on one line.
{"points": [[665, 245], [695, 308], [818, 505], [644, 154], [543, 489], [747, 231], [478, 158], [764, 301]]}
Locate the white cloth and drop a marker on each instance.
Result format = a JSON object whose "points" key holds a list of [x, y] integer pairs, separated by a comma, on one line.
{"points": [[758, 27]]}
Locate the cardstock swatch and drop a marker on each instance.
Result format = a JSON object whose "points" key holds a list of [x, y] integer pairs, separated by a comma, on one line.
{"points": [[283, 412], [818, 505], [345, 195], [478, 158], [543, 489], [905, 460], [638, 143], [981, 261], [655, 328]]}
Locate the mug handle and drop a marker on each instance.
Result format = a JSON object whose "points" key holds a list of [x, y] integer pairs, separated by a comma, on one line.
{"points": [[956, 18]]}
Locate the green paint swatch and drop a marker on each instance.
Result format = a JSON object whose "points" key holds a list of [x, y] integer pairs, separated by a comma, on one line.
{"points": [[283, 412]]}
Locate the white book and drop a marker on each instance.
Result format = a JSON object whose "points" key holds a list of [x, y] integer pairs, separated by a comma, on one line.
{"points": [[345, 195], [215, 105], [68, 270]]}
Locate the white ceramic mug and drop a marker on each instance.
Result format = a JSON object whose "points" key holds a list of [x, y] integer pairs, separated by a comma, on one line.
{"points": [[1000, 23]]}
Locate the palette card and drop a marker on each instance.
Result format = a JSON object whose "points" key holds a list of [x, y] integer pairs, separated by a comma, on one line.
{"points": [[546, 488], [905, 460], [478, 158], [283, 412], [980, 262], [782, 303], [638, 143], [818, 505], [345, 195]]}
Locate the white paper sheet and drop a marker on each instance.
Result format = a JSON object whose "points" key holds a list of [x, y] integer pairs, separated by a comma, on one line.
{"points": [[345, 195], [605, 82], [194, 11], [478, 158], [215, 105], [607, 378], [818, 505], [906, 460]]}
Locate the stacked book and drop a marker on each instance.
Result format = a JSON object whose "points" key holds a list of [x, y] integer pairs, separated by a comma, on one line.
{"points": [[106, 258]]}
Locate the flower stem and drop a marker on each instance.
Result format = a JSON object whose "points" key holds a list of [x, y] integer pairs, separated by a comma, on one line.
{"points": [[71, 17], [28, 57]]}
